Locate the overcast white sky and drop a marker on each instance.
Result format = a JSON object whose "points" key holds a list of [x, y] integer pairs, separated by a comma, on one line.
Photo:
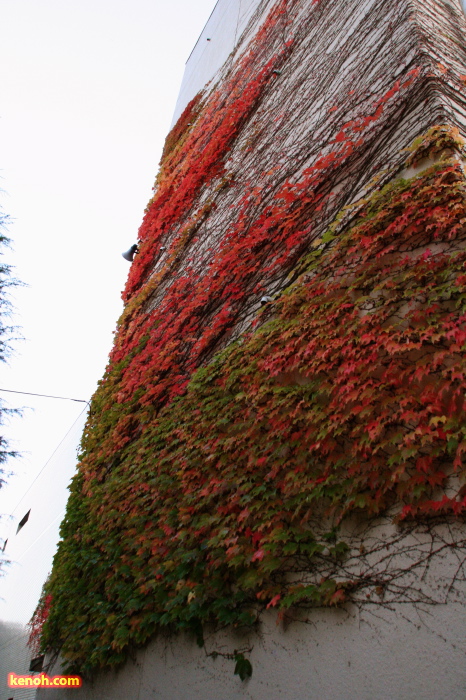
{"points": [[88, 89]]}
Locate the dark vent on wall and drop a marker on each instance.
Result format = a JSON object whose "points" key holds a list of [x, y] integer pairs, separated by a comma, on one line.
{"points": [[23, 521], [37, 664]]}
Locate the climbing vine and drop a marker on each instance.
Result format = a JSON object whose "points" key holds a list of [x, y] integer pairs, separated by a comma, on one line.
{"points": [[37, 621], [229, 443], [351, 398]]}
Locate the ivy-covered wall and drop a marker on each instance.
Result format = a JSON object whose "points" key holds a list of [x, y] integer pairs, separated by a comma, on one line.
{"points": [[291, 353]]}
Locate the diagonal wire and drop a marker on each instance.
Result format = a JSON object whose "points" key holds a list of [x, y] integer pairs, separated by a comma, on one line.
{"points": [[46, 396]]}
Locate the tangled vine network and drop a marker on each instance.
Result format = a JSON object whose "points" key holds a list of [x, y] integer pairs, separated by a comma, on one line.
{"points": [[281, 422]]}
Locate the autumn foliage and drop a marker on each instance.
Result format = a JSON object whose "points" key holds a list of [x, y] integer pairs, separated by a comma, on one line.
{"points": [[216, 464], [37, 621], [351, 398]]}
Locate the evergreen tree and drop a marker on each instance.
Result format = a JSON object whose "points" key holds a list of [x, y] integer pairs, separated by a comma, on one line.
{"points": [[7, 335]]}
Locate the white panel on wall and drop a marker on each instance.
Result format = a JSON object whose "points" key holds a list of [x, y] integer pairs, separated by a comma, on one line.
{"points": [[216, 42]]}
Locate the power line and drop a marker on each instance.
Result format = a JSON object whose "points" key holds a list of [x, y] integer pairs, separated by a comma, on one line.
{"points": [[45, 396], [49, 459]]}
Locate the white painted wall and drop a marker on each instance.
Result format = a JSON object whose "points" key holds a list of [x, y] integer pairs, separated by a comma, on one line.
{"points": [[337, 655], [14, 656], [217, 40]]}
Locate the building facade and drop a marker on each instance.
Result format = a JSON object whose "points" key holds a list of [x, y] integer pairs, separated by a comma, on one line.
{"points": [[273, 466]]}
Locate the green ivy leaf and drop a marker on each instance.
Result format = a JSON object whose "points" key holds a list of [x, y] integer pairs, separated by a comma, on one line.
{"points": [[243, 667]]}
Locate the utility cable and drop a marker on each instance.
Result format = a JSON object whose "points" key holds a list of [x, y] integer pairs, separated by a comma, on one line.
{"points": [[45, 396], [49, 459]]}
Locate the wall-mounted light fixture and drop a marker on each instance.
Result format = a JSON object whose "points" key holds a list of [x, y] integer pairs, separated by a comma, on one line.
{"points": [[129, 255]]}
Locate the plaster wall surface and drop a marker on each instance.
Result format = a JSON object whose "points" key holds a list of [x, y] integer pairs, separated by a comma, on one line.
{"points": [[374, 654]]}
